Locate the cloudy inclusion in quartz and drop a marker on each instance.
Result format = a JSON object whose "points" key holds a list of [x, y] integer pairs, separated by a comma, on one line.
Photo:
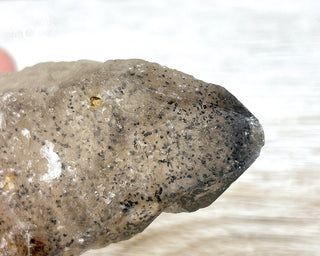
{"points": [[54, 162]]}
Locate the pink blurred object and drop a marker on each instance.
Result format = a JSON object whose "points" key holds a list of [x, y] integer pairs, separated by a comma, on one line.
{"points": [[7, 63]]}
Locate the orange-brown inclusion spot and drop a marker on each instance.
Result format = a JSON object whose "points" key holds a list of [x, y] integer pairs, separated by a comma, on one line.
{"points": [[95, 102], [36, 246], [8, 181]]}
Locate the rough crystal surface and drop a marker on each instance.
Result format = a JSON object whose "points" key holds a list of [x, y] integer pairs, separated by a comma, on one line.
{"points": [[91, 153]]}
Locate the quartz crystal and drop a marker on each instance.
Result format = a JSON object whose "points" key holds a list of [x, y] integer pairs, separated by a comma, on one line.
{"points": [[91, 153]]}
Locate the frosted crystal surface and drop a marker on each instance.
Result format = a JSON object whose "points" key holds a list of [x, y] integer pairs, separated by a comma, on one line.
{"points": [[91, 153]]}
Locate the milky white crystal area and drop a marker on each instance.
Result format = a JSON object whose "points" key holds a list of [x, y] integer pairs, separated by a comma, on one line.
{"points": [[26, 133], [2, 123], [54, 162]]}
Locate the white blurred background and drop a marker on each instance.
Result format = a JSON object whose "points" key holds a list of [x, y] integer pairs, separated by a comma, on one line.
{"points": [[266, 53]]}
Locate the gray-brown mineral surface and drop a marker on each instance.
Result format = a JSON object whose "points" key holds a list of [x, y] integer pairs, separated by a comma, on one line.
{"points": [[91, 153]]}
